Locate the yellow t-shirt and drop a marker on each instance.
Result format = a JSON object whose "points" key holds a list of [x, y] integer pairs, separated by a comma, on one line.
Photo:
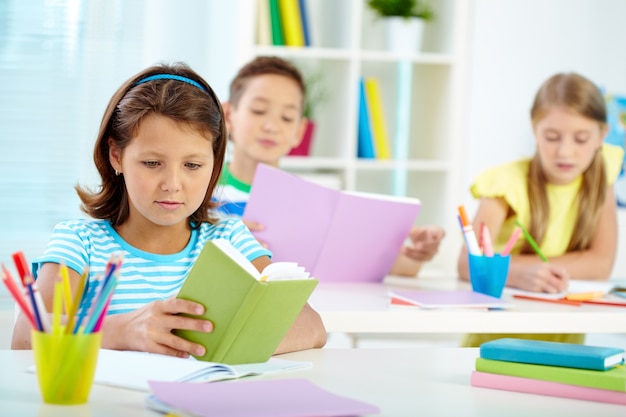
{"points": [[509, 181]]}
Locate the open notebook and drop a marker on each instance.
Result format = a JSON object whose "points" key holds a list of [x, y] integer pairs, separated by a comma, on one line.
{"points": [[133, 370], [576, 287]]}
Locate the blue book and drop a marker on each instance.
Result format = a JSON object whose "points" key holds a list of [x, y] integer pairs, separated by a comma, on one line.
{"points": [[305, 23], [552, 353], [365, 140]]}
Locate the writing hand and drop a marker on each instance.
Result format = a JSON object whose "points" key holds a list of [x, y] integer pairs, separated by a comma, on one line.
{"points": [[149, 328], [541, 277], [256, 227], [424, 244]]}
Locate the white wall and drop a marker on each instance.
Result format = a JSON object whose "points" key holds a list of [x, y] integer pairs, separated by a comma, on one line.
{"points": [[515, 45]]}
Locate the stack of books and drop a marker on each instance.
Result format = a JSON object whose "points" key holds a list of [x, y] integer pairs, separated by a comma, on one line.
{"points": [[583, 372]]}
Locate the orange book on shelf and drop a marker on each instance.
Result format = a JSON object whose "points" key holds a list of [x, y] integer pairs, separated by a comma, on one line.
{"points": [[291, 22], [380, 136]]}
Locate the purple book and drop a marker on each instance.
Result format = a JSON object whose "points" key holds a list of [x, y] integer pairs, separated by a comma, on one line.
{"points": [[257, 398], [336, 235]]}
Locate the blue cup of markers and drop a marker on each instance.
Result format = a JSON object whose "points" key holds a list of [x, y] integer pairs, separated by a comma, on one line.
{"points": [[488, 273]]}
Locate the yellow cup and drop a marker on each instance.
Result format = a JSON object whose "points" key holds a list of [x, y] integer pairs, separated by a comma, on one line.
{"points": [[65, 365]]}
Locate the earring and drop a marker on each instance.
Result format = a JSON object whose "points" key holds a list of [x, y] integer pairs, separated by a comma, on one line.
{"points": [[117, 173]]}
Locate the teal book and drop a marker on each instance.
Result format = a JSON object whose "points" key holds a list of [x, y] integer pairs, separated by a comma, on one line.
{"points": [[614, 379], [552, 353], [365, 144], [251, 312]]}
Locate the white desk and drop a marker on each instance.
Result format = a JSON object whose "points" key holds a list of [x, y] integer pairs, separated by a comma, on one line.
{"points": [[402, 382], [364, 308]]}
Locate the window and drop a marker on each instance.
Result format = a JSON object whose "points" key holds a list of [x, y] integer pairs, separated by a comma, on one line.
{"points": [[60, 61]]}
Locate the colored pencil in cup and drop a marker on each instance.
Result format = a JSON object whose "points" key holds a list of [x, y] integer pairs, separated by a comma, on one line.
{"points": [[486, 238], [468, 232], [508, 247]]}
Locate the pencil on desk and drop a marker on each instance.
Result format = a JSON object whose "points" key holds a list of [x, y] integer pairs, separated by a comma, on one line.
{"points": [[532, 242], [585, 296]]}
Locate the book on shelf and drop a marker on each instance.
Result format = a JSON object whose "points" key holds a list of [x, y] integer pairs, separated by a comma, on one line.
{"points": [[251, 312], [304, 20], [433, 299], [552, 353], [380, 135], [365, 143], [291, 22], [278, 38], [329, 231], [548, 388], [264, 23], [253, 398], [132, 370], [613, 379]]}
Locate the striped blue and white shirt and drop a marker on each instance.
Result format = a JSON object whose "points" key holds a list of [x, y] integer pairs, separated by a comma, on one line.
{"points": [[144, 276]]}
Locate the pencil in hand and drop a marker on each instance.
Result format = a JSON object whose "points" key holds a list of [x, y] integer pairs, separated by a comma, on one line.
{"points": [[532, 242]]}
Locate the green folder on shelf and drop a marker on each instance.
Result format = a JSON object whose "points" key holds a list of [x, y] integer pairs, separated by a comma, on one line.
{"points": [[250, 314]]}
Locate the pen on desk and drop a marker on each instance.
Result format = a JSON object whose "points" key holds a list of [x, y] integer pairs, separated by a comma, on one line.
{"points": [[468, 232], [585, 296], [532, 242]]}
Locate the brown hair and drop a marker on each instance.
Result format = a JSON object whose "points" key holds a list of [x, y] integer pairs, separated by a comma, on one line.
{"points": [[264, 65], [194, 105], [580, 95]]}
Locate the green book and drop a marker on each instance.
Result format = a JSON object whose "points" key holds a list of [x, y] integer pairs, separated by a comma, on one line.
{"points": [[278, 37], [251, 312], [613, 379]]}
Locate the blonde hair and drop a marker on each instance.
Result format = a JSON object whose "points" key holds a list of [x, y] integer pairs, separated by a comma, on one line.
{"points": [[580, 95]]}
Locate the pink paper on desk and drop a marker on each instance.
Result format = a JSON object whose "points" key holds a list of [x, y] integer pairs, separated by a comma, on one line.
{"points": [[554, 389], [258, 398], [336, 235], [447, 299]]}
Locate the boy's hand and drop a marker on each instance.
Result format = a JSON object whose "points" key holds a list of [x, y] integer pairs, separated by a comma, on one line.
{"points": [[149, 328], [425, 242]]}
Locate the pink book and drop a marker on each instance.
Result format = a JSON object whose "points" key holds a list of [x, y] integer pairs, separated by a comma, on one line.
{"points": [[336, 235], [554, 389]]}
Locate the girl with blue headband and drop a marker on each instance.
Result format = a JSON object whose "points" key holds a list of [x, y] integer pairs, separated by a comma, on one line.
{"points": [[159, 153]]}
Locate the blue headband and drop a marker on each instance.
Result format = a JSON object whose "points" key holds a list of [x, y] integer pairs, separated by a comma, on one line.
{"points": [[172, 77]]}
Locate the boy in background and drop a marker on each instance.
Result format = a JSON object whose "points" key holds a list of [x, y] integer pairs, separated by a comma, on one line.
{"points": [[264, 118]]}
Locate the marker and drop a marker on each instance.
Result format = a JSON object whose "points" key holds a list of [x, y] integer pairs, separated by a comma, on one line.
{"points": [[584, 296], [468, 232], [486, 237]]}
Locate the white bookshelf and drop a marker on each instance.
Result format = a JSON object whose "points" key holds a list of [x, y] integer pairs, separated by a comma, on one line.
{"points": [[347, 43]]}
